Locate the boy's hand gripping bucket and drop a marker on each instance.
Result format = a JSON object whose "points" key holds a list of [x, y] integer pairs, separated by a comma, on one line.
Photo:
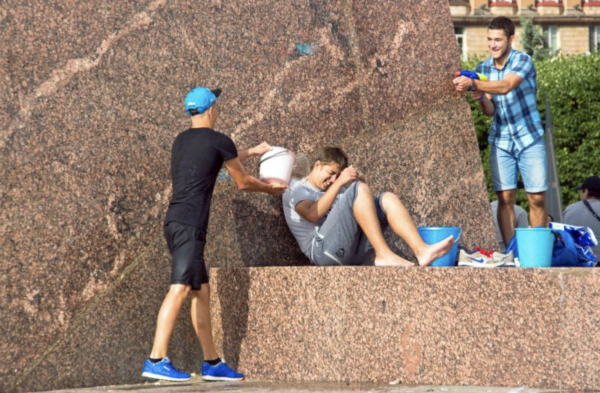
{"points": [[276, 166], [432, 235]]}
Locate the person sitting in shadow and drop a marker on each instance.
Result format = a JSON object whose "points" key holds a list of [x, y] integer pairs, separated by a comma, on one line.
{"points": [[337, 221], [586, 212]]}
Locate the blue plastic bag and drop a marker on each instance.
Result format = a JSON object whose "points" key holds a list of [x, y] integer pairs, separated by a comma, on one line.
{"points": [[582, 238], [564, 253]]}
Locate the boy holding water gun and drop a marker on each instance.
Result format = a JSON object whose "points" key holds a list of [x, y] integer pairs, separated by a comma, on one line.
{"points": [[505, 84]]}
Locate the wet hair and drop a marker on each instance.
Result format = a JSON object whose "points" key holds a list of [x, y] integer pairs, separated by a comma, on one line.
{"points": [[330, 154], [503, 23]]}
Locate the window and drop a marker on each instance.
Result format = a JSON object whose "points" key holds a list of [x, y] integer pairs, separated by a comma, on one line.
{"points": [[461, 40], [594, 38], [551, 39], [503, 3]]}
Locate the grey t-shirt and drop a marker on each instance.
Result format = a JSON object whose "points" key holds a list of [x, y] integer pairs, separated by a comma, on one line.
{"points": [[521, 221], [303, 230], [579, 215]]}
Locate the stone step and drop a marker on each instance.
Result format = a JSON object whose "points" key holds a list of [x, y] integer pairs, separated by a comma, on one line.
{"points": [[419, 326]]}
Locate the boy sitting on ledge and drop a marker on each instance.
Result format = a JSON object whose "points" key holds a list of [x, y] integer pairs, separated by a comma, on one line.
{"points": [[336, 221]]}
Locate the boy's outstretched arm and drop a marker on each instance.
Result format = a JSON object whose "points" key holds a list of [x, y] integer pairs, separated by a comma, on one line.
{"points": [[246, 182], [503, 87], [257, 150]]}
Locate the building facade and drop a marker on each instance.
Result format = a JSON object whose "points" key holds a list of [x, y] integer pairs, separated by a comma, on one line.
{"points": [[569, 26]]}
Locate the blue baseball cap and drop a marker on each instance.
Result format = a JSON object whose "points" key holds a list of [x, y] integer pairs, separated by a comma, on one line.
{"points": [[199, 99]]}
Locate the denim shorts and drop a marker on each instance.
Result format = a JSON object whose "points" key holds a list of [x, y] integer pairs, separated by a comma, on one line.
{"points": [[531, 162], [340, 240]]}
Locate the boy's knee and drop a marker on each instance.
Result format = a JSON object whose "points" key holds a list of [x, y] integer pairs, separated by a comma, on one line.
{"points": [[203, 294], [506, 198], [387, 195], [180, 289], [354, 189], [361, 187], [537, 201]]}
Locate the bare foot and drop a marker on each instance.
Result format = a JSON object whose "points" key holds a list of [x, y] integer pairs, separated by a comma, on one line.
{"points": [[392, 260], [434, 251]]}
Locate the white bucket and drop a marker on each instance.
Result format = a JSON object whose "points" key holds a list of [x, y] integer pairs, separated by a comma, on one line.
{"points": [[276, 166]]}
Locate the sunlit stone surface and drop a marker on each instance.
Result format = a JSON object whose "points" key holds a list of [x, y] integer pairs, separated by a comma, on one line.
{"points": [[91, 99]]}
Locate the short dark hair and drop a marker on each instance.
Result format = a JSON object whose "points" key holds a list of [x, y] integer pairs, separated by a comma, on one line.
{"points": [[331, 154], [593, 193], [503, 23]]}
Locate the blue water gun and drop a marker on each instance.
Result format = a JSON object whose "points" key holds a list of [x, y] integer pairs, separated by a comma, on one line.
{"points": [[471, 75]]}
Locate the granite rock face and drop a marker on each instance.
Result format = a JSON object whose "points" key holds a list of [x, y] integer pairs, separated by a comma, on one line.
{"points": [[91, 100], [420, 326]]}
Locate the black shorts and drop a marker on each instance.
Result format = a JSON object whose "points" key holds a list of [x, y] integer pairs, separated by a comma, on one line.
{"points": [[186, 244]]}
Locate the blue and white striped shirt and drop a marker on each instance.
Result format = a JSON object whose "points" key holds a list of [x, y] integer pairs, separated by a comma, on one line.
{"points": [[517, 123]]}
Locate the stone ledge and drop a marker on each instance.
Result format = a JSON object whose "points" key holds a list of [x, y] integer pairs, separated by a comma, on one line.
{"points": [[496, 327]]}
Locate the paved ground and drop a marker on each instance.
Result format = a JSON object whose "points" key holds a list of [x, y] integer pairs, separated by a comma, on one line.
{"points": [[298, 387]]}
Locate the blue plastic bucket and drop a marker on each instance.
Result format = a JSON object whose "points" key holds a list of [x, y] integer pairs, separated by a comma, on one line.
{"points": [[535, 246], [432, 235]]}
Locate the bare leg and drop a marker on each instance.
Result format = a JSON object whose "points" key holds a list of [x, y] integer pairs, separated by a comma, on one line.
{"points": [[538, 216], [366, 216], [167, 316], [506, 214], [403, 225], [201, 321]]}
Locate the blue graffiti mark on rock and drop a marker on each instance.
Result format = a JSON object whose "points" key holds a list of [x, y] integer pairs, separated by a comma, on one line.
{"points": [[224, 176], [306, 49]]}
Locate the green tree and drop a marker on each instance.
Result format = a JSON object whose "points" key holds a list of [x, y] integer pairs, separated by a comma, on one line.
{"points": [[532, 40]]}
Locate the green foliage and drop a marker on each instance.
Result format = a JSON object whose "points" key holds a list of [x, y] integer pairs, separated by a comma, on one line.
{"points": [[532, 40], [573, 86]]}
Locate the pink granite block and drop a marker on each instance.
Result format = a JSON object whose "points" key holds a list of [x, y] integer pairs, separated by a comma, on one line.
{"points": [[579, 361], [112, 335], [281, 323], [43, 37], [404, 53], [432, 326], [507, 331], [402, 326], [93, 103]]}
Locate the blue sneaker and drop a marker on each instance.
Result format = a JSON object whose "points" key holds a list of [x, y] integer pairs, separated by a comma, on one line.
{"points": [[163, 370], [220, 372]]}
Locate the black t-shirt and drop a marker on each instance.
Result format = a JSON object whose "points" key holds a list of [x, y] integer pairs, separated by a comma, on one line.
{"points": [[196, 159]]}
